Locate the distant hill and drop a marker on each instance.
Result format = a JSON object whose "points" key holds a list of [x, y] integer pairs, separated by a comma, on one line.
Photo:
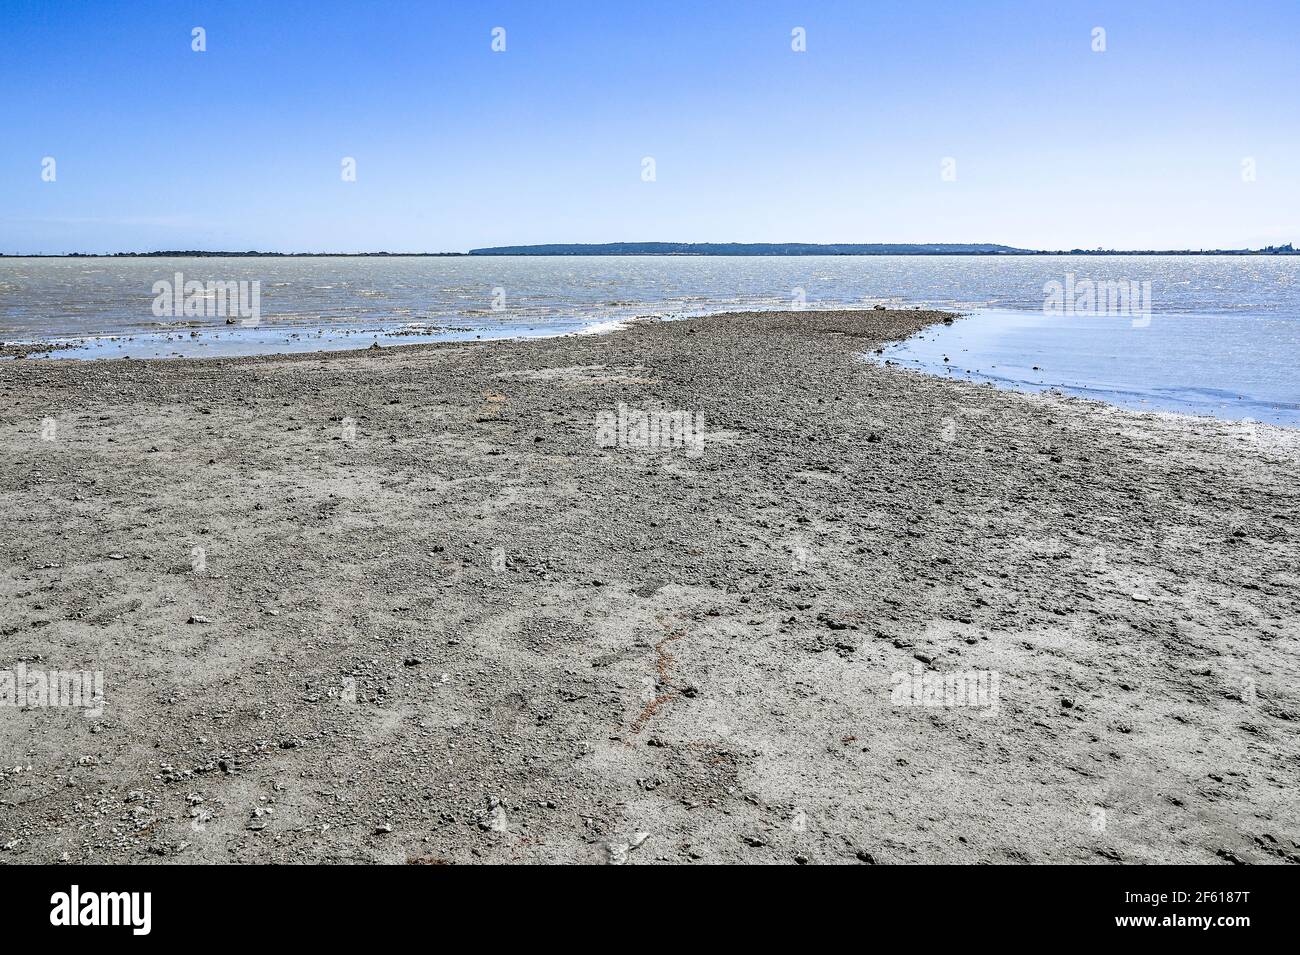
{"points": [[696, 248], [752, 248]]}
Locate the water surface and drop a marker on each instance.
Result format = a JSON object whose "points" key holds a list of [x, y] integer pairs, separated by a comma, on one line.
{"points": [[1224, 335], [1230, 366]]}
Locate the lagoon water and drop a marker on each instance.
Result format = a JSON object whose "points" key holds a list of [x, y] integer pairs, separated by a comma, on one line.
{"points": [[1223, 339], [1234, 367]]}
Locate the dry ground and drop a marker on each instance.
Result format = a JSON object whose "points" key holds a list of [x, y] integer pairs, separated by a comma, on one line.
{"points": [[433, 620]]}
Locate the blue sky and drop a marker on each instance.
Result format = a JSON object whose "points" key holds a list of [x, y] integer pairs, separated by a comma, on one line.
{"points": [[457, 146]]}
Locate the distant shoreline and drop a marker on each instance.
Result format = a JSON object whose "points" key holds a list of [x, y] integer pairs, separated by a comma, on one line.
{"points": [[681, 249]]}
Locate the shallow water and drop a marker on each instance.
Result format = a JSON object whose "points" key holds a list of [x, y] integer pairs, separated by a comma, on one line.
{"points": [[1234, 367], [1224, 335]]}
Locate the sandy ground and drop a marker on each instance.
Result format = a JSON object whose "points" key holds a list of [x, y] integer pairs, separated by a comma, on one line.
{"points": [[399, 605]]}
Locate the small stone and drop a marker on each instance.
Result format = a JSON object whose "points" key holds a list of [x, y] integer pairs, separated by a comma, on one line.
{"points": [[616, 853], [494, 820]]}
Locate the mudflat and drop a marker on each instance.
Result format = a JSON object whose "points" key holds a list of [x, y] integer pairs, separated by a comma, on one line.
{"points": [[422, 605]]}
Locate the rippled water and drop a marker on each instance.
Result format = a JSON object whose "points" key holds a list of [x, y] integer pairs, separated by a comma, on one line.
{"points": [[1230, 324]]}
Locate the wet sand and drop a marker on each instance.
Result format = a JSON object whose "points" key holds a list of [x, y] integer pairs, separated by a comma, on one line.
{"points": [[400, 605]]}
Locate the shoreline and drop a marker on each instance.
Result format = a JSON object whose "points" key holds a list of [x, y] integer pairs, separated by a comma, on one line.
{"points": [[434, 332], [391, 329], [489, 253], [435, 620]]}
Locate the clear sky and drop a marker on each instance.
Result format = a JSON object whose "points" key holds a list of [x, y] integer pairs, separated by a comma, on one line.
{"points": [[457, 146]]}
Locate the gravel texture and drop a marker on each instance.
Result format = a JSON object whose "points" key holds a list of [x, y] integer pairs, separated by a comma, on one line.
{"points": [[399, 605]]}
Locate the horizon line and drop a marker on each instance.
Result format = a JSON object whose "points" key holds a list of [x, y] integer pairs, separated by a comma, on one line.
{"points": [[685, 249]]}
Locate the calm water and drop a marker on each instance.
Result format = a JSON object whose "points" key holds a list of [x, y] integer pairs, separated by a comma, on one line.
{"points": [[1223, 336], [1231, 367]]}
